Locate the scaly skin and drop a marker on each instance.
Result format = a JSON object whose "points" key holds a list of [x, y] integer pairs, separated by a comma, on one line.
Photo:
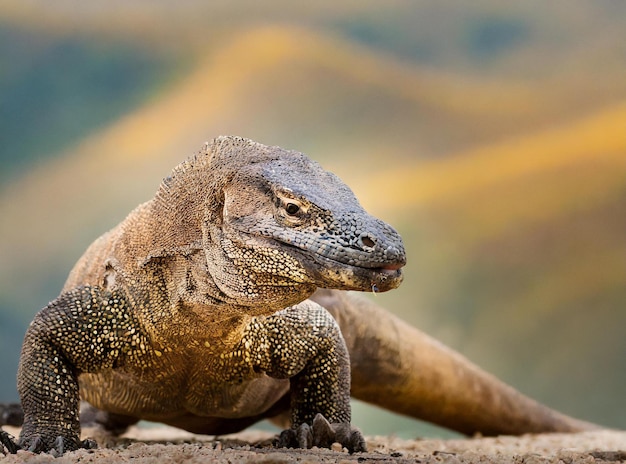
{"points": [[194, 312], [194, 308]]}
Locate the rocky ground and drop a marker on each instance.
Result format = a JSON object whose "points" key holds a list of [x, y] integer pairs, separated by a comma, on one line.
{"points": [[164, 444]]}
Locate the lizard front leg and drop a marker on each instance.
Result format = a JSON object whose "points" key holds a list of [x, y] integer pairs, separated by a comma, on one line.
{"points": [[83, 330], [304, 344]]}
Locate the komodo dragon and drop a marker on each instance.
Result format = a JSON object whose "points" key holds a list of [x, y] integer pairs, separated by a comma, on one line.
{"points": [[201, 310]]}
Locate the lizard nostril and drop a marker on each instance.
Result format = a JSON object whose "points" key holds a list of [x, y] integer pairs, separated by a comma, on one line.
{"points": [[367, 241]]}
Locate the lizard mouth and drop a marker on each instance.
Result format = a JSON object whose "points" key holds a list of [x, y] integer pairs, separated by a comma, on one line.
{"points": [[380, 279], [326, 272], [331, 273]]}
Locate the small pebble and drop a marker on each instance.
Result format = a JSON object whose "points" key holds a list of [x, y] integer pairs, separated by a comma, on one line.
{"points": [[336, 447]]}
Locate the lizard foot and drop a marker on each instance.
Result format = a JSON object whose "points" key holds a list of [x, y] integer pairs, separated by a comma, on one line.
{"points": [[8, 442], [322, 434], [35, 444]]}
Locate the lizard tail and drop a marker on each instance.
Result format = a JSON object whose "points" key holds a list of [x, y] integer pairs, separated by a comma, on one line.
{"points": [[396, 366]]}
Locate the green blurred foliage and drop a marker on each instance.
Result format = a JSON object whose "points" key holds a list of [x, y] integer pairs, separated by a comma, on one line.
{"points": [[54, 91]]}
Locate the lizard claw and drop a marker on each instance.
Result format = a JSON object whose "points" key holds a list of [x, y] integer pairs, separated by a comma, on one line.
{"points": [[8, 442], [62, 444], [88, 444], [322, 434], [36, 444]]}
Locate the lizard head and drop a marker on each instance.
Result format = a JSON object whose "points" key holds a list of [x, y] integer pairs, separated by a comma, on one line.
{"points": [[287, 221]]}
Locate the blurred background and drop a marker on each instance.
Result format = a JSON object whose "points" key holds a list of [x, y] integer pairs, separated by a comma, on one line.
{"points": [[491, 135]]}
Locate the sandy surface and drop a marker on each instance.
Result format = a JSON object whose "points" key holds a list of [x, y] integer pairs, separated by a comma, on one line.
{"points": [[164, 444]]}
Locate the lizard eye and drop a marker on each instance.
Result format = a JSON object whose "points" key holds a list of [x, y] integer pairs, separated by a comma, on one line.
{"points": [[292, 209]]}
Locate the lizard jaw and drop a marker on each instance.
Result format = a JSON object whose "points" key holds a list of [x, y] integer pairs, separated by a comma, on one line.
{"points": [[329, 273], [326, 272]]}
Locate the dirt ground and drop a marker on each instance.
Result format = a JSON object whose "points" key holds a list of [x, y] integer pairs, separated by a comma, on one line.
{"points": [[165, 444]]}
